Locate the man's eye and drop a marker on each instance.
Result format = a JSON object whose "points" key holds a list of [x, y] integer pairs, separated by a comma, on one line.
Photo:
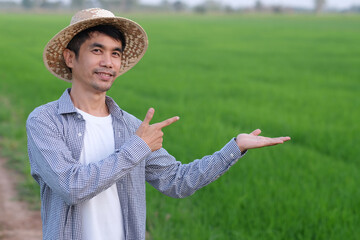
{"points": [[96, 51], [116, 54]]}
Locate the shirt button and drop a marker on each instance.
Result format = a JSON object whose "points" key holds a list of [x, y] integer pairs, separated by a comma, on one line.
{"points": [[79, 116], [79, 134], [231, 155]]}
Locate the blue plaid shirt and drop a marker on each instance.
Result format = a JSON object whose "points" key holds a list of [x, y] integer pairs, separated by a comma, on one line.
{"points": [[55, 139]]}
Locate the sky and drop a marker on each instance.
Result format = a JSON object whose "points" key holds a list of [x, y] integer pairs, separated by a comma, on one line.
{"points": [[249, 3], [339, 4]]}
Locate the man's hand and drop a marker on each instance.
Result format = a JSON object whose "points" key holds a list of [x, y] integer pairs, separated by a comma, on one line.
{"points": [[152, 134], [252, 140]]}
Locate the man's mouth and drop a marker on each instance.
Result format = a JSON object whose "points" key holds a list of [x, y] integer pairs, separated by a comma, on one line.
{"points": [[105, 75]]}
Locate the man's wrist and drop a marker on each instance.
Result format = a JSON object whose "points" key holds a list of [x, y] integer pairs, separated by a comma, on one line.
{"points": [[242, 149]]}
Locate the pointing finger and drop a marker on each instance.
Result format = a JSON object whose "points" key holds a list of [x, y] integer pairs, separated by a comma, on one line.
{"points": [[149, 115], [167, 122]]}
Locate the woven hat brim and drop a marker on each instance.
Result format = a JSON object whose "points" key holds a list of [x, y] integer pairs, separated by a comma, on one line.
{"points": [[135, 38]]}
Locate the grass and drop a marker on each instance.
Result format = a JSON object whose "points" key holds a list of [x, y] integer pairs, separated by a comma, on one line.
{"points": [[294, 75]]}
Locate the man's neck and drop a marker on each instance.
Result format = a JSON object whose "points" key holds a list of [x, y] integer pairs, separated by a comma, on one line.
{"points": [[89, 102]]}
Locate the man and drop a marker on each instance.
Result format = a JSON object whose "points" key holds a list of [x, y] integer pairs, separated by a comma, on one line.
{"points": [[92, 159]]}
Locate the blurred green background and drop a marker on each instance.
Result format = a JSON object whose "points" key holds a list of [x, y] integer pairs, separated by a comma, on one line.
{"points": [[295, 75]]}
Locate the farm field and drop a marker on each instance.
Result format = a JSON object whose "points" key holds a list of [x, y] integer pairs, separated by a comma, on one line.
{"points": [[289, 75]]}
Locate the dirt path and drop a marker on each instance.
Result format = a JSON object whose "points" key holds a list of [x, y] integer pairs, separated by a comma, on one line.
{"points": [[17, 222]]}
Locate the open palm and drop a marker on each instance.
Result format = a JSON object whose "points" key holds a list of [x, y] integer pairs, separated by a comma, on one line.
{"points": [[253, 140]]}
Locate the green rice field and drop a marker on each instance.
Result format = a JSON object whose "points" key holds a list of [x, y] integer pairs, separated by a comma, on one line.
{"points": [[289, 75]]}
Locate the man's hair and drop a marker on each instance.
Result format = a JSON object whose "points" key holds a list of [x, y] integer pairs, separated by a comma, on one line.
{"points": [[109, 30]]}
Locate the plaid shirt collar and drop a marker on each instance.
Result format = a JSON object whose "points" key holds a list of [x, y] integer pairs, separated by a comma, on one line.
{"points": [[66, 106]]}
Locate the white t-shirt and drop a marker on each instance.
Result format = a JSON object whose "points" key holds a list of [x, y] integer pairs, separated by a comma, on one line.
{"points": [[101, 215]]}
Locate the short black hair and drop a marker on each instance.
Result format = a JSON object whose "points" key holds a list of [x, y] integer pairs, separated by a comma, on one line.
{"points": [[109, 30]]}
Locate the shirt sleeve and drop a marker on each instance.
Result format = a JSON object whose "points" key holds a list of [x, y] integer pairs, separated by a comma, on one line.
{"points": [[181, 180], [52, 162]]}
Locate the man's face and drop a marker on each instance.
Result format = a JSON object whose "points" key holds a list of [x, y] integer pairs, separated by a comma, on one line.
{"points": [[98, 63]]}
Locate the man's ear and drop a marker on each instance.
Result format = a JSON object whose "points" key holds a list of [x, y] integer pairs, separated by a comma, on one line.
{"points": [[69, 57]]}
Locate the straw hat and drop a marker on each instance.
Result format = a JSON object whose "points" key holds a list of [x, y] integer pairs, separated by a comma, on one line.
{"points": [[135, 38]]}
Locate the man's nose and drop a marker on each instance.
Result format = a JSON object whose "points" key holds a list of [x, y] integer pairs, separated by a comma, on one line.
{"points": [[106, 61]]}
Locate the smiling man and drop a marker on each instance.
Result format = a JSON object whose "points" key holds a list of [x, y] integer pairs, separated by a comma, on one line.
{"points": [[91, 158], [94, 57]]}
